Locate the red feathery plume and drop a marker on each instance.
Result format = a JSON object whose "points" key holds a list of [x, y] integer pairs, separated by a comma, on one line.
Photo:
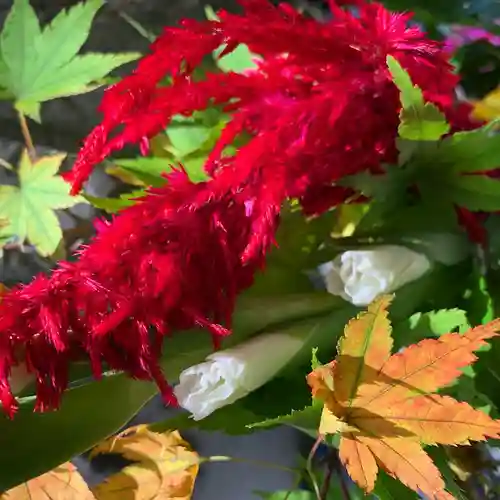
{"points": [[319, 106]]}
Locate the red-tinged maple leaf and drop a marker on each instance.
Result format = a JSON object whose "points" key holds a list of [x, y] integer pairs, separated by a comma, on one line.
{"points": [[385, 408]]}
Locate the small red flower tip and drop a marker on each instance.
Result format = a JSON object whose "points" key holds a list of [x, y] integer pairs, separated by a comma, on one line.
{"points": [[314, 112]]}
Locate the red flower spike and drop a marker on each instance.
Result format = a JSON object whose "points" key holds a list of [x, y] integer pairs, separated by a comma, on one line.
{"points": [[316, 111]]}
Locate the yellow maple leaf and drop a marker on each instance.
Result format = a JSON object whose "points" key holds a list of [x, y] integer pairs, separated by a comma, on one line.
{"points": [[384, 408], [62, 483], [165, 466]]}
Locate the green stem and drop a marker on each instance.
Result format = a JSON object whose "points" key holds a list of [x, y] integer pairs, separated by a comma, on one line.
{"points": [[137, 26], [309, 466], [249, 461], [27, 136]]}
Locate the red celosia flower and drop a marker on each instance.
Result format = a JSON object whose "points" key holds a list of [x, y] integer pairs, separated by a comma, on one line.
{"points": [[320, 105]]}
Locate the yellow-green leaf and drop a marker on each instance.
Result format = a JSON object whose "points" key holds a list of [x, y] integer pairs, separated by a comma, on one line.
{"points": [[29, 207]]}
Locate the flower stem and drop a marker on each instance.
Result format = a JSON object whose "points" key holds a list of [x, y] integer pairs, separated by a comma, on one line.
{"points": [[330, 466], [27, 136], [309, 466], [258, 463], [137, 26], [337, 465]]}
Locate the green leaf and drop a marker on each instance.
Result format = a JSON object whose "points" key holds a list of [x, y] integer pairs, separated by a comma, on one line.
{"points": [[88, 414], [29, 208], [76, 77], [210, 13], [187, 135], [419, 121], [306, 420], [475, 192], [430, 324], [300, 248], [60, 41], [449, 172], [478, 302], [149, 170], [395, 179], [387, 488], [232, 419], [439, 457], [194, 165], [113, 205], [20, 29], [315, 362], [238, 61], [42, 65], [472, 151]]}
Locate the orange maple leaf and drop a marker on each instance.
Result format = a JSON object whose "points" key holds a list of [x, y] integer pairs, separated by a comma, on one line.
{"points": [[384, 406]]}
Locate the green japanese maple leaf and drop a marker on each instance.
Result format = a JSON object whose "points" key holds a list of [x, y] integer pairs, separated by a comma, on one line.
{"points": [[419, 120], [29, 207], [37, 65]]}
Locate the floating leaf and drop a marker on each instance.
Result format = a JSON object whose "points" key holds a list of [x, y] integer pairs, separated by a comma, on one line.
{"points": [[384, 408], [40, 65], [30, 207], [62, 483], [165, 466]]}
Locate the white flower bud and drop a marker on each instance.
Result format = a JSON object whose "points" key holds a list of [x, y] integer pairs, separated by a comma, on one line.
{"points": [[359, 276], [231, 374]]}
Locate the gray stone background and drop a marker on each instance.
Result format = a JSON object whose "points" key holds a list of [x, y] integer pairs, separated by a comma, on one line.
{"points": [[64, 123]]}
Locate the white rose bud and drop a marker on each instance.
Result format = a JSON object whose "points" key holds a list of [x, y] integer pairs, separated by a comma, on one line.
{"points": [[231, 374], [359, 276]]}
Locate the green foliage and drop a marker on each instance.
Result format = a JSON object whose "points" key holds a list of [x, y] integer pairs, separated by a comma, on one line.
{"points": [[187, 135], [440, 458], [452, 170], [307, 420], [238, 60], [39, 65], [113, 205], [301, 247], [387, 488], [420, 121], [433, 178], [427, 325], [88, 414], [29, 207]]}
